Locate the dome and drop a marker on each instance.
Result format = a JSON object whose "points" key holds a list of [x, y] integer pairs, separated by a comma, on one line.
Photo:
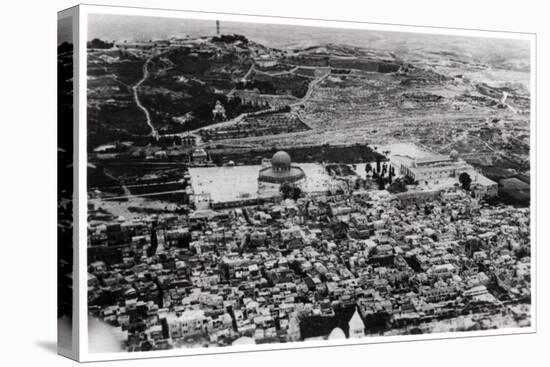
{"points": [[281, 160], [281, 170], [454, 155], [336, 333]]}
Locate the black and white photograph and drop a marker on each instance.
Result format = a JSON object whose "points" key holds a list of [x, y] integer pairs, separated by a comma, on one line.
{"points": [[254, 184], [65, 188], [275, 183]]}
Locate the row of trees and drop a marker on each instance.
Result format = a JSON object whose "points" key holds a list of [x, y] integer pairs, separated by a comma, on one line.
{"points": [[383, 174], [289, 191]]}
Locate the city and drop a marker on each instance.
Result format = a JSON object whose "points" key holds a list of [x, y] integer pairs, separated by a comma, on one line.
{"points": [[249, 193]]}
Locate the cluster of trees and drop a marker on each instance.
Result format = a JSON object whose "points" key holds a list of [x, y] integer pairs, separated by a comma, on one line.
{"points": [[234, 106], [230, 38], [399, 185], [264, 86], [290, 191], [166, 141], [292, 84], [97, 43], [383, 174]]}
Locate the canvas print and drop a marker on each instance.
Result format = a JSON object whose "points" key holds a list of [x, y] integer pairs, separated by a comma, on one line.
{"points": [[256, 184]]}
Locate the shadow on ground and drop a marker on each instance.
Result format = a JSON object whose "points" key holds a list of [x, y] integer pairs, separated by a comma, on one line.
{"points": [[49, 346]]}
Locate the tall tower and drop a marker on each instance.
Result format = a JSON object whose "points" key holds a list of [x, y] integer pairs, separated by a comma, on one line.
{"points": [[218, 27]]}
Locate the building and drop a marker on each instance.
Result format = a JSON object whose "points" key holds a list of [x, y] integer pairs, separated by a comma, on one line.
{"points": [[441, 171], [265, 61], [199, 157], [188, 141], [218, 113], [417, 197], [280, 172], [356, 326], [431, 168], [189, 323]]}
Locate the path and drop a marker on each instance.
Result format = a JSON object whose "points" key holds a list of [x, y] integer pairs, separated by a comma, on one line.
{"points": [[135, 88], [313, 83], [232, 91]]}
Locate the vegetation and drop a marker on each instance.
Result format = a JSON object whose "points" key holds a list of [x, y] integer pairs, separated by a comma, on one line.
{"points": [[340, 229], [230, 38], [368, 168], [397, 186], [289, 191], [465, 180], [290, 84], [97, 43], [381, 181]]}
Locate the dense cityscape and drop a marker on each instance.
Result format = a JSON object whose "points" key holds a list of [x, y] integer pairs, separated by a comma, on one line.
{"points": [[248, 193]]}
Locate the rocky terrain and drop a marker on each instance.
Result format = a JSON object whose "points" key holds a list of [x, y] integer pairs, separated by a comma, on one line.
{"points": [[448, 100]]}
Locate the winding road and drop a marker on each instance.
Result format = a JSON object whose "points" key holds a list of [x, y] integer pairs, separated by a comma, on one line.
{"points": [[236, 120], [135, 88], [310, 88]]}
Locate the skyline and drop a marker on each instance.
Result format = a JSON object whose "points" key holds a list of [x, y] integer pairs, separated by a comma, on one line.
{"points": [[142, 28]]}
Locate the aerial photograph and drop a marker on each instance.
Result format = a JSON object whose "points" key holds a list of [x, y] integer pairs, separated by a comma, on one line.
{"points": [[255, 184]]}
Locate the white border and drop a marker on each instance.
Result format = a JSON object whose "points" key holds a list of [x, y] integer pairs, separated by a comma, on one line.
{"points": [[85, 9]]}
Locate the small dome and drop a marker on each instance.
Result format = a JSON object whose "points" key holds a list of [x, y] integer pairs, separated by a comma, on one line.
{"points": [[336, 333], [454, 155]]}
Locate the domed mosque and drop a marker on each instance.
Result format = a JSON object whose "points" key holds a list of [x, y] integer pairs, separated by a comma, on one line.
{"points": [[281, 171]]}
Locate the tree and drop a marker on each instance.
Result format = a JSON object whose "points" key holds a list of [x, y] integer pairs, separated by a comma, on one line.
{"points": [[97, 43], [286, 190], [290, 191], [368, 168], [296, 193], [340, 229], [382, 181], [465, 180], [397, 186]]}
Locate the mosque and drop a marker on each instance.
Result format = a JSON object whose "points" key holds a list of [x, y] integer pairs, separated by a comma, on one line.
{"points": [[280, 171], [440, 171]]}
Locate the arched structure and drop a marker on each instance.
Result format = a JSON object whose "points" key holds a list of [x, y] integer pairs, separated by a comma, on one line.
{"points": [[336, 334]]}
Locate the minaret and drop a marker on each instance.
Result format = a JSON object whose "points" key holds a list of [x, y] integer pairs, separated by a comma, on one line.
{"points": [[218, 27]]}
